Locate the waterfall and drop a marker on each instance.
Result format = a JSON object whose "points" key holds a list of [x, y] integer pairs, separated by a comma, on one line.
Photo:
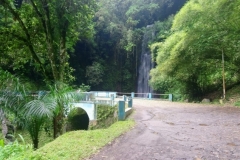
{"points": [[146, 63]]}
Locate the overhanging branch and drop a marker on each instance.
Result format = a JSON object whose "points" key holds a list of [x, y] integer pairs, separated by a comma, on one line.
{"points": [[6, 4]]}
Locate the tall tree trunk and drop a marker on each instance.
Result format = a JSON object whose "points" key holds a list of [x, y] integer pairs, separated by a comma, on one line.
{"points": [[34, 127], [55, 127], [58, 124], [35, 143], [223, 76]]}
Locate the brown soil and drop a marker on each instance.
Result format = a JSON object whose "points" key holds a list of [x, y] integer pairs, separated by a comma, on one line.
{"points": [[178, 131]]}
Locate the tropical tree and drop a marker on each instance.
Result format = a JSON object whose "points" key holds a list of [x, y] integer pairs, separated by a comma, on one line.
{"points": [[47, 106], [11, 99], [203, 32], [13, 102], [36, 113], [32, 110], [62, 97], [120, 26], [42, 32], [94, 73]]}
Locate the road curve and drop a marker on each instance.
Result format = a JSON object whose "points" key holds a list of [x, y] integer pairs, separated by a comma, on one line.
{"points": [[178, 131]]}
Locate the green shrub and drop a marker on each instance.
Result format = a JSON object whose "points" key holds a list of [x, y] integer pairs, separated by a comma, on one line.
{"points": [[105, 116], [15, 151], [216, 101], [237, 104]]}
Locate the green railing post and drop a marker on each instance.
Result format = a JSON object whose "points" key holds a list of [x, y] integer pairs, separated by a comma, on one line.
{"points": [[121, 110], [130, 102], [170, 97]]}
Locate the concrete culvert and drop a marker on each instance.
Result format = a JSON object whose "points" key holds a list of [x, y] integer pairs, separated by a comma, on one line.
{"points": [[77, 120]]}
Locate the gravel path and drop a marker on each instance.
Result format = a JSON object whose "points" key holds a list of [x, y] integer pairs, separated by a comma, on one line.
{"points": [[178, 131]]}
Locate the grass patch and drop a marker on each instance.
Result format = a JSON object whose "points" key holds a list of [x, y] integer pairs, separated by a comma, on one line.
{"points": [[217, 101], [233, 95], [237, 104], [77, 145], [44, 138]]}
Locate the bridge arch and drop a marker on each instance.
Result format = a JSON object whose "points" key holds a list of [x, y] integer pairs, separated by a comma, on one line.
{"points": [[88, 107], [77, 120]]}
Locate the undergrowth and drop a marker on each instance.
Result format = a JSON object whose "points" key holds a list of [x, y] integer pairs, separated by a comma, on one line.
{"points": [[73, 145]]}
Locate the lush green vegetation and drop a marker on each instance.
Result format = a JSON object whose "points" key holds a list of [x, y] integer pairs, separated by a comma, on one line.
{"points": [[50, 48], [112, 58], [78, 41], [81, 144], [40, 43], [102, 43], [39, 36], [15, 151], [32, 111], [72, 145], [106, 114], [202, 52], [95, 42], [233, 96]]}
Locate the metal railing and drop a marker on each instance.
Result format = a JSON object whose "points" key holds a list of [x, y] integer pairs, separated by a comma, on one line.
{"points": [[168, 97]]}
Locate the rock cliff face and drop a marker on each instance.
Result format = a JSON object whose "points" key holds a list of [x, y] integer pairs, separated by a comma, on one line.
{"points": [[7, 130], [4, 127]]}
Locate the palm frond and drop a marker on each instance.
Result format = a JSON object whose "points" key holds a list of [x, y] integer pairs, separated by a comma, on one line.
{"points": [[44, 106]]}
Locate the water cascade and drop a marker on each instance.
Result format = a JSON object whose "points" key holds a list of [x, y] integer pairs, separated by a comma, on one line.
{"points": [[146, 63]]}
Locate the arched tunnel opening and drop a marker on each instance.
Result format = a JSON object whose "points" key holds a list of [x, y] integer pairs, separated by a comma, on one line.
{"points": [[77, 120]]}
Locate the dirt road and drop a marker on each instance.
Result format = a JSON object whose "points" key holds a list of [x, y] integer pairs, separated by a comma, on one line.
{"points": [[178, 131]]}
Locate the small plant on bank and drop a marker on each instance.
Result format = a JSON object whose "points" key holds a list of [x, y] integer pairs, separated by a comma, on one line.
{"points": [[106, 116], [15, 150], [1, 143], [237, 104]]}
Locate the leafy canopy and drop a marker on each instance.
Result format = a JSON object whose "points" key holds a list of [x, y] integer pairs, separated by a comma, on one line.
{"points": [[191, 56], [40, 34]]}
